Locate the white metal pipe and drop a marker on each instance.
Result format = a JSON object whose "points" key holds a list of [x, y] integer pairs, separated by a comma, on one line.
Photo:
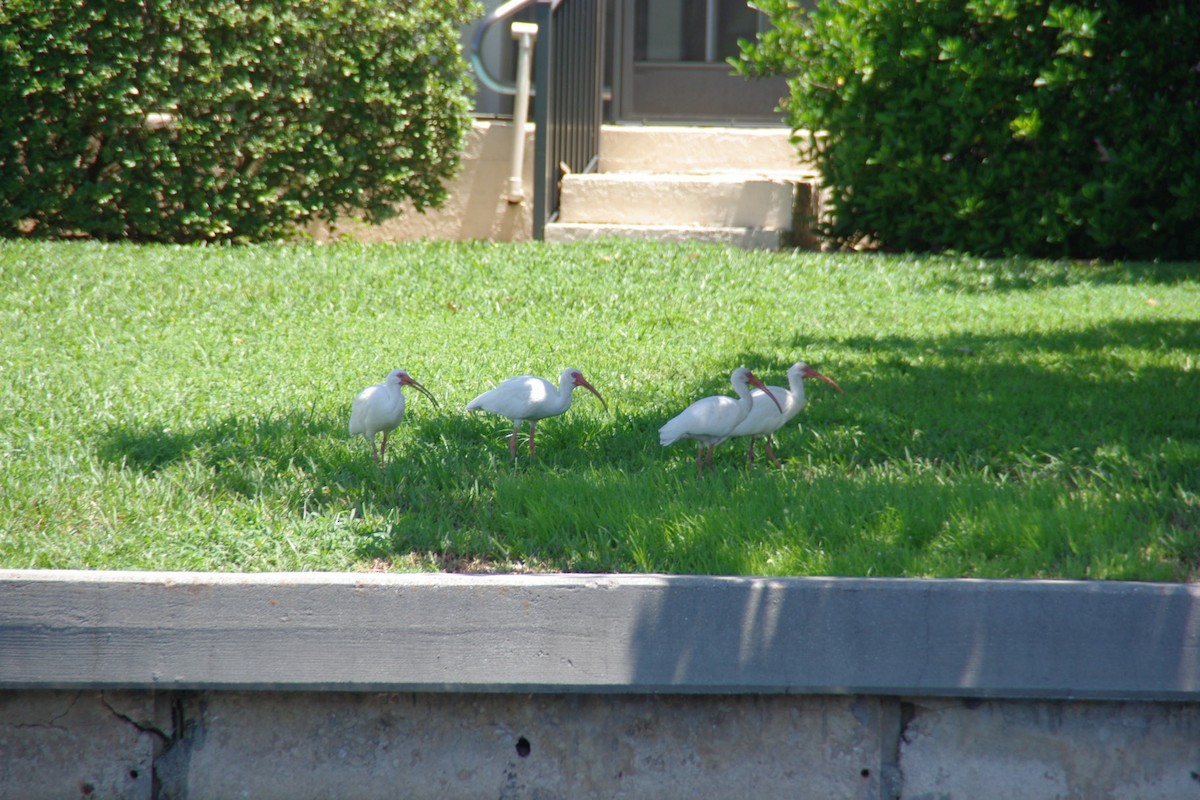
{"points": [[525, 33]]}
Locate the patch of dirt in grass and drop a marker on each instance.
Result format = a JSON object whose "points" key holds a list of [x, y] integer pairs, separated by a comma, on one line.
{"points": [[464, 565]]}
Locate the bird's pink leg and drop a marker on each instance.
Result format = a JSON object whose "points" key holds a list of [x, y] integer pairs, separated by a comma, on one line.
{"points": [[383, 450], [699, 460], [771, 453], [512, 442], [532, 426], [750, 455], [711, 447], [375, 454]]}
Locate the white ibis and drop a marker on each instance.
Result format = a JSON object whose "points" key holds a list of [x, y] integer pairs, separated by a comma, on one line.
{"points": [[711, 420], [763, 420], [527, 397], [380, 408]]}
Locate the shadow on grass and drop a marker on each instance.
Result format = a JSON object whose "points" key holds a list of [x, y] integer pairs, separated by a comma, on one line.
{"points": [[1017, 274], [936, 414], [240, 456], [976, 397], [798, 520], [933, 432], [439, 466], [1157, 335], [937, 432]]}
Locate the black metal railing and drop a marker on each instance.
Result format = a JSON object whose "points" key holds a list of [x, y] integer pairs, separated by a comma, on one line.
{"points": [[568, 76], [567, 91]]}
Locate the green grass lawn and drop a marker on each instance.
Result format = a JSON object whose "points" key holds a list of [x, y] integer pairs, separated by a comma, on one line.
{"points": [[186, 408]]}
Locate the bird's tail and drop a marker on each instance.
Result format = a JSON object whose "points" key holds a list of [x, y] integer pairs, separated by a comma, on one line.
{"points": [[670, 433]]}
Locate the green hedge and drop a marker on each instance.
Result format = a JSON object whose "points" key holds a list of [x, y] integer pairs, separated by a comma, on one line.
{"points": [[281, 111], [1037, 127]]}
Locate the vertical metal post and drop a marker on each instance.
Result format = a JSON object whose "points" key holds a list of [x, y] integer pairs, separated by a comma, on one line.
{"points": [[543, 73], [567, 101]]}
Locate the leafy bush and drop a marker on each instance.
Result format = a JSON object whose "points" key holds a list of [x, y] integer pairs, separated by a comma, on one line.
{"points": [[1040, 127], [185, 121]]}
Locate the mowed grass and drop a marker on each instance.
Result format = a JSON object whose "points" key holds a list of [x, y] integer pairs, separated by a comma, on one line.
{"points": [[186, 409]]}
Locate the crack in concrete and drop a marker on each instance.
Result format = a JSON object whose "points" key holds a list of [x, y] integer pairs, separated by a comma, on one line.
{"points": [[69, 709], [52, 723], [895, 718], [165, 739]]}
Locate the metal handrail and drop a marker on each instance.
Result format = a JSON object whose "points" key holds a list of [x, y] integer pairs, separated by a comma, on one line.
{"points": [[568, 104], [502, 12], [568, 96]]}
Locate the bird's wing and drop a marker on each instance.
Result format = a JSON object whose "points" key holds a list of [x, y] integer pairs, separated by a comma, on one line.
{"points": [[359, 411], [764, 417], [705, 417], [515, 397]]}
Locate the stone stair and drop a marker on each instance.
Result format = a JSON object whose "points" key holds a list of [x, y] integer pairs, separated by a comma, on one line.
{"points": [[740, 186]]}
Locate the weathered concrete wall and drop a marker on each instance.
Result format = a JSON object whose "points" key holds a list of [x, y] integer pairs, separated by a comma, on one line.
{"points": [[79, 744], [180, 745], [600, 633], [1050, 750], [473, 746], [159, 686]]}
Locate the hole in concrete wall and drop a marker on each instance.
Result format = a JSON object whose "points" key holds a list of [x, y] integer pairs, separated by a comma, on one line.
{"points": [[133, 774], [523, 747], [86, 789], [866, 773]]}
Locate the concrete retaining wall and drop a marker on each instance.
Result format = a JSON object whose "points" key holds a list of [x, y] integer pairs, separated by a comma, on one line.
{"points": [[146, 685]]}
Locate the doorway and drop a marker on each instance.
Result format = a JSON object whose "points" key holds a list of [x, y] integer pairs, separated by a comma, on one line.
{"points": [[669, 64]]}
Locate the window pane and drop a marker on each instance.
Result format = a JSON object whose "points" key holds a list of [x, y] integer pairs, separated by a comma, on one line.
{"points": [[736, 20], [669, 30]]}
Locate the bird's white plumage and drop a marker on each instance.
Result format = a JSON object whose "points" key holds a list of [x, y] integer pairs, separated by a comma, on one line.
{"points": [[765, 418], [711, 420], [528, 397], [380, 409]]}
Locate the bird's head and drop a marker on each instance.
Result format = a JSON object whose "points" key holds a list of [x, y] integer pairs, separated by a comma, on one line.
{"points": [[576, 379], [405, 379], [748, 377], [808, 372]]}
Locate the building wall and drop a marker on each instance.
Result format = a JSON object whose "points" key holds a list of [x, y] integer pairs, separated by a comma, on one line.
{"points": [[478, 207]]}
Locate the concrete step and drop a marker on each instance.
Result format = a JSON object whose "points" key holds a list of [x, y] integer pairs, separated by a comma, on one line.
{"points": [[749, 238], [737, 200], [667, 148]]}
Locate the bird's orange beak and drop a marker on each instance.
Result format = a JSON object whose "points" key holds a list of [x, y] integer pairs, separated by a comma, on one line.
{"points": [[756, 382], [812, 373], [582, 381], [407, 381]]}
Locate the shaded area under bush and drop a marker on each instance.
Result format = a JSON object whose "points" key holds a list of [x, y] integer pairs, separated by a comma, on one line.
{"points": [[165, 121]]}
